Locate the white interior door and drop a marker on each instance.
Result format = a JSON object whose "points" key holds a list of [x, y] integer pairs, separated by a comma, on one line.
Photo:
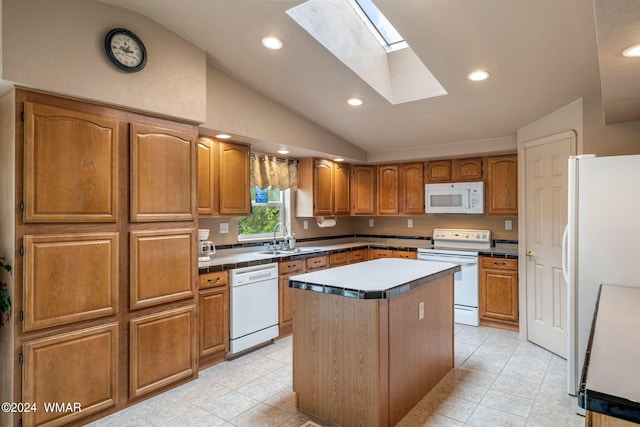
{"points": [[546, 181]]}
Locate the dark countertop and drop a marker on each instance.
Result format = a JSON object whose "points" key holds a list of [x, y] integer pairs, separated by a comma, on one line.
{"points": [[609, 383], [225, 260], [376, 279]]}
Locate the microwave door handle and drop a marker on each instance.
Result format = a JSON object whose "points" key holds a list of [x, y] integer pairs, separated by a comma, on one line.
{"points": [[469, 198]]}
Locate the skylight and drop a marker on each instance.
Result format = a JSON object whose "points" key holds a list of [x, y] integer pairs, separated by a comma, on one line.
{"points": [[380, 23]]}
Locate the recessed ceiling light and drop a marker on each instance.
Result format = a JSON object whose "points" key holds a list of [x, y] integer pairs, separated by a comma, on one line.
{"points": [[223, 136], [339, 159], [478, 75], [355, 102], [272, 43], [283, 151], [632, 52]]}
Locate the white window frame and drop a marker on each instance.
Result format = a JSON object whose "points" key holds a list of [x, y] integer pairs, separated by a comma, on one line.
{"points": [[285, 218]]}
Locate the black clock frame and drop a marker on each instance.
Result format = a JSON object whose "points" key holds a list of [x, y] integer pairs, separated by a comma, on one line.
{"points": [[111, 56]]}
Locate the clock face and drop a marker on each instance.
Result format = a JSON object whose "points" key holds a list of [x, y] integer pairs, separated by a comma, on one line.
{"points": [[125, 50]]}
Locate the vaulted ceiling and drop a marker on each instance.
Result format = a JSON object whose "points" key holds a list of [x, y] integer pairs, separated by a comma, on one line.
{"points": [[541, 54]]}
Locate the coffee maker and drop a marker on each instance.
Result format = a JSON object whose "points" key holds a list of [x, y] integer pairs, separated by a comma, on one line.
{"points": [[206, 248]]}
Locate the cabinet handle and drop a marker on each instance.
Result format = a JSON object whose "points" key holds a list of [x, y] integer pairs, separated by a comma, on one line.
{"points": [[213, 281], [500, 263], [291, 266]]}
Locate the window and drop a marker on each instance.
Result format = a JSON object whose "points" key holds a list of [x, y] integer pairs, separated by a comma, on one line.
{"points": [[268, 209], [382, 26]]}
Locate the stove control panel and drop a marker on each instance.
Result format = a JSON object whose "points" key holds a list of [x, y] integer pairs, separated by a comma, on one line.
{"points": [[457, 235]]}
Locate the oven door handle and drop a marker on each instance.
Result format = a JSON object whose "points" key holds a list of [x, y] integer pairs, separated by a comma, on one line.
{"points": [[453, 259]]}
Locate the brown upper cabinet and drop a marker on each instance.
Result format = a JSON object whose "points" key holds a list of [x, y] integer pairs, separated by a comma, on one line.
{"points": [[71, 165], [323, 188], [468, 169], [363, 190], [454, 170], [401, 189], [501, 192], [412, 188], [163, 166], [223, 178], [438, 171]]}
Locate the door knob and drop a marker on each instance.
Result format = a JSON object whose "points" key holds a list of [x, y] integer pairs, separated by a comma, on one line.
{"points": [[530, 254]]}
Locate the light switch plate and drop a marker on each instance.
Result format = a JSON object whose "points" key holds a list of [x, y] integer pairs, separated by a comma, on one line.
{"points": [[421, 310], [508, 225], [370, 222], [409, 223], [305, 224], [224, 227]]}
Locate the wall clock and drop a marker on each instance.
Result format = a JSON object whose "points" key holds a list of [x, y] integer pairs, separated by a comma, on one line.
{"points": [[125, 50]]}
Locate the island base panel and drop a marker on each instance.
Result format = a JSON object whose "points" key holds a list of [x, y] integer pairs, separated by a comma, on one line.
{"points": [[368, 362]]}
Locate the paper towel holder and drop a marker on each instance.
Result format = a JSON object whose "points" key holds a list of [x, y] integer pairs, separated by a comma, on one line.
{"points": [[326, 221]]}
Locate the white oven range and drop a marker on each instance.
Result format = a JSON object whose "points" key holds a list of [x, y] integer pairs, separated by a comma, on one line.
{"points": [[462, 247]]}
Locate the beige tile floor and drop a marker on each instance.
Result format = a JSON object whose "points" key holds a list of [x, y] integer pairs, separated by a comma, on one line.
{"points": [[498, 380]]}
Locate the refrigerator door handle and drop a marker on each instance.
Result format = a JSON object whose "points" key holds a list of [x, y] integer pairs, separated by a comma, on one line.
{"points": [[565, 255]]}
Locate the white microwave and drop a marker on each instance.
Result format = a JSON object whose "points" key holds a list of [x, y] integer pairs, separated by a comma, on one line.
{"points": [[455, 198]]}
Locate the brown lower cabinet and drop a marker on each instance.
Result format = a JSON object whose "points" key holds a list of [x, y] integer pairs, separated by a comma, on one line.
{"points": [[213, 318], [57, 369], [499, 293], [162, 350], [285, 270]]}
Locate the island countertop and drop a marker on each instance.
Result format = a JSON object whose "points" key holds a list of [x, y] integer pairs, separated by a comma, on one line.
{"points": [[376, 279]]}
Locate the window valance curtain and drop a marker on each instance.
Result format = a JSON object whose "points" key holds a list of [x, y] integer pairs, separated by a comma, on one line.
{"points": [[270, 171]]}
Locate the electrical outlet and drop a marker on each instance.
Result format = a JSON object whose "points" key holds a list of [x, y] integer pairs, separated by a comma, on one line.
{"points": [[508, 225], [370, 222], [224, 227], [305, 224], [421, 310], [409, 223]]}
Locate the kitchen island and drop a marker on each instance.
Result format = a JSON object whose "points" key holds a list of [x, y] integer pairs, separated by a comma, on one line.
{"points": [[371, 339]]}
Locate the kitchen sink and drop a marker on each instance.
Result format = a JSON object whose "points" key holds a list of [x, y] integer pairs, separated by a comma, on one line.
{"points": [[290, 251], [278, 252]]}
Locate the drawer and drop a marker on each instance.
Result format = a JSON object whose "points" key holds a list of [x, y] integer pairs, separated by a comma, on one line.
{"points": [[291, 267], [499, 263], [381, 253], [405, 254], [212, 280], [340, 258], [357, 255], [317, 262]]}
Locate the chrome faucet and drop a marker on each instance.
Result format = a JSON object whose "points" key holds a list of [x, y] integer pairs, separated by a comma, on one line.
{"points": [[275, 228]]}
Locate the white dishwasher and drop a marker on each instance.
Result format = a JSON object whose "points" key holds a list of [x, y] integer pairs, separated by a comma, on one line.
{"points": [[254, 306]]}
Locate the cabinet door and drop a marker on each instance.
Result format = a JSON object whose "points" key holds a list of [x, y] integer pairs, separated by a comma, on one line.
{"points": [[387, 189], [234, 179], [163, 174], [339, 258], [502, 185], [469, 169], [286, 303], [69, 278], [317, 262], [363, 190], [207, 178], [161, 266], [499, 295], [323, 188], [79, 366], [412, 188], [162, 350], [341, 188], [214, 321], [70, 166], [358, 255], [439, 171]]}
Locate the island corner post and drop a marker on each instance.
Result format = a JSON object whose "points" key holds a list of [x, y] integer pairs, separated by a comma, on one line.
{"points": [[368, 362]]}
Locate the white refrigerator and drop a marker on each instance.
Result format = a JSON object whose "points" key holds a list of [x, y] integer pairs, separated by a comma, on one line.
{"points": [[601, 243]]}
